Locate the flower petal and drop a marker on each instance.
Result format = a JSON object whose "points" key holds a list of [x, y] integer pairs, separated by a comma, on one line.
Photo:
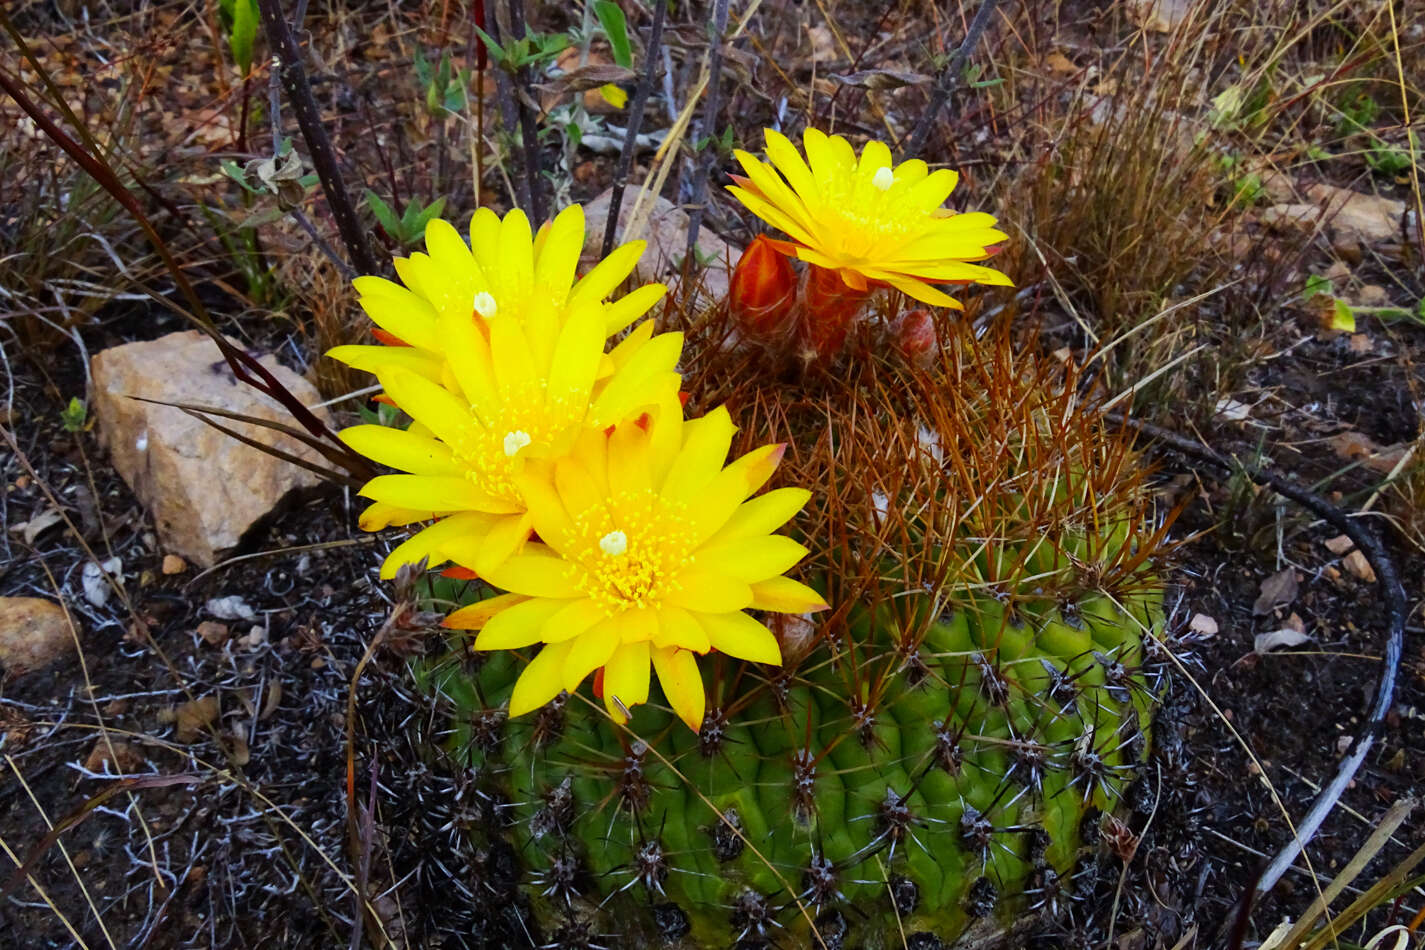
{"points": [[785, 596], [540, 682], [475, 616], [401, 449], [536, 575], [738, 635], [518, 625], [762, 515], [626, 679], [752, 559], [682, 684], [708, 591], [589, 651]]}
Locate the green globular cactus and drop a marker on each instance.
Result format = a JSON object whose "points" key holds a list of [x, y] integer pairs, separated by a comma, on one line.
{"points": [[931, 749]]}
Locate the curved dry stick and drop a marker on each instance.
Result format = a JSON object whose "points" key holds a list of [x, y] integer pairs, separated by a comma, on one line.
{"points": [[949, 79], [1397, 608]]}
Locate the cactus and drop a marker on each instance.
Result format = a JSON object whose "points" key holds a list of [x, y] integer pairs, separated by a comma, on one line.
{"points": [[931, 747]]}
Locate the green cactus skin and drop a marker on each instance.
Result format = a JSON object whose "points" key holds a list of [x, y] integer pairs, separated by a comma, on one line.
{"points": [[958, 790]]}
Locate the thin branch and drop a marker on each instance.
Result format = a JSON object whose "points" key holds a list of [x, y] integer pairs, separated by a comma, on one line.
{"points": [[949, 79], [707, 129], [529, 134], [635, 121], [288, 61]]}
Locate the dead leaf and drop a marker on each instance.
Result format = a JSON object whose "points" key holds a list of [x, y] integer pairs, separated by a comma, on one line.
{"points": [[1233, 411], [1276, 591], [191, 718], [1285, 637], [879, 80], [1359, 447], [213, 633], [1357, 564], [589, 76], [113, 757], [36, 526]]}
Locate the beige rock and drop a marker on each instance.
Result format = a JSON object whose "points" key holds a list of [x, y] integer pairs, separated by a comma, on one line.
{"points": [[203, 488], [667, 235], [1159, 16], [1356, 218], [173, 564], [1292, 216], [1357, 564], [34, 632]]}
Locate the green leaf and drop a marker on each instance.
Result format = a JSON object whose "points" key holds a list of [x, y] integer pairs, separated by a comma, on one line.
{"points": [[1343, 318], [615, 26], [1317, 285], [72, 417], [384, 215], [243, 33]]}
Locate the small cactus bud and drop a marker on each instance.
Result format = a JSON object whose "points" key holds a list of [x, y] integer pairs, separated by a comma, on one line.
{"points": [[762, 290], [914, 334]]}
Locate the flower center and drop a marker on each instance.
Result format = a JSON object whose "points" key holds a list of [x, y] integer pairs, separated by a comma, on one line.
{"points": [[485, 305], [636, 564], [516, 440]]}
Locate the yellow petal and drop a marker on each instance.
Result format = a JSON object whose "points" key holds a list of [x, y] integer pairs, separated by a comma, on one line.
{"points": [[752, 559], [682, 684], [536, 575], [705, 444], [400, 449], [738, 635], [762, 515], [785, 596], [606, 275], [559, 255], [518, 625], [789, 162], [378, 515], [576, 617], [504, 539], [678, 628], [710, 592], [629, 462], [626, 679], [433, 492], [589, 651], [398, 311], [636, 384], [575, 362], [632, 305], [731, 487], [430, 542], [540, 682], [475, 616], [432, 405], [369, 358]]}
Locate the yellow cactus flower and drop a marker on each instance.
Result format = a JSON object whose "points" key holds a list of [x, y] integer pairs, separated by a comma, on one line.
{"points": [[649, 554], [870, 221], [506, 396], [505, 270]]}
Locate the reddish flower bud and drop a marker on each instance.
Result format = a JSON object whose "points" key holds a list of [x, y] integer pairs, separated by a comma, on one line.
{"points": [[914, 334], [762, 290], [831, 306]]}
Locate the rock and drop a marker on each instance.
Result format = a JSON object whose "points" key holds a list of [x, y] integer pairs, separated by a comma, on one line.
{"points": [[1357, 219], [1291, 216], [204, 488], [1159, 16], [173, 564], [34, 632], [1356, 563], [667, 236]]}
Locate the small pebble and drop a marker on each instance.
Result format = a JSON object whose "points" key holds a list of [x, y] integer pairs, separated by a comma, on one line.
{"points": [[173, 564]]}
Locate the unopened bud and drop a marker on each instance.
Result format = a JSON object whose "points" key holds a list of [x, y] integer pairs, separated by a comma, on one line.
{"points": [[914, 335], [831, 307], [762, 290]]}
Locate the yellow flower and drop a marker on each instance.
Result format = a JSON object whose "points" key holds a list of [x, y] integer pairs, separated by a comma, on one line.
{"points": [[505, 271], [866, 219], [649, 553], [507, 396]]}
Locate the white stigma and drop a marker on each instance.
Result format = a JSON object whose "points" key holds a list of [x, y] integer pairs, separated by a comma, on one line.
{"points": [[614, 543], [516, 440], [485, 305], [883, 178]]}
